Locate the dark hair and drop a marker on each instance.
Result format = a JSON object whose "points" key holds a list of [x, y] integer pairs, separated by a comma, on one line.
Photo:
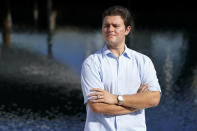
{"points": [[120, 11]]}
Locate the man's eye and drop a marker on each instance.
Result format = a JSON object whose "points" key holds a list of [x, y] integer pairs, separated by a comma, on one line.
{"points": [[116, 26], [106, 25]]}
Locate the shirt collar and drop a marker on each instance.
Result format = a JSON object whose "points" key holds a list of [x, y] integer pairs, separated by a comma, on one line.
{"points": [[106, 51]]}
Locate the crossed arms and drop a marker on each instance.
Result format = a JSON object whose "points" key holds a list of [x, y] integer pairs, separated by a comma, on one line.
{"points": [[108, 104]]}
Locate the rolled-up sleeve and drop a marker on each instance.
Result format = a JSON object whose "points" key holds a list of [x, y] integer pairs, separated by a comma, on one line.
{"points": [[150, 76], [90, 77]]}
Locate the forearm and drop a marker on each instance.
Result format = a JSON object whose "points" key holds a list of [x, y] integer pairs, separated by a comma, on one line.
{"points": [[142, 100], [110, 109]]}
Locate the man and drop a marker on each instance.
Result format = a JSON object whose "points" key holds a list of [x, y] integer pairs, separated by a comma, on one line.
{"points": [[118, 83]]}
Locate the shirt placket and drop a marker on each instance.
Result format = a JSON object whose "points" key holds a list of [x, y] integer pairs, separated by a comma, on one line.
{"points": [[118, 87], [117, 67]]}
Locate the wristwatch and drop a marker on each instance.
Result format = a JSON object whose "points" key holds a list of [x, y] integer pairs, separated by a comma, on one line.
{"points": [[120, 99]]}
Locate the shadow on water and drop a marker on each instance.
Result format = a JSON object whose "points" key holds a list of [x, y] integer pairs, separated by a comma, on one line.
{"points": [[35, 82], [38, 93]]}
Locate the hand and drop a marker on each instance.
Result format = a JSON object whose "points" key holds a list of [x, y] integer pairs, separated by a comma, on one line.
{"points": [[102, 96], [143, 88]]}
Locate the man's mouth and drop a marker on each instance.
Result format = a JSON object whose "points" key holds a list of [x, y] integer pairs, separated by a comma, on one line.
{"points": [[110, 35]]}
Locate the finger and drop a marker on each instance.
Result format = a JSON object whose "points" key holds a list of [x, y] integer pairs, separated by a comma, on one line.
{"points": [[98, 101], [147, 85], [96, 93], [147, 89], [97, 89], [101, 97], [141, 86], [93, 98], [144, 88], [139, 90]]}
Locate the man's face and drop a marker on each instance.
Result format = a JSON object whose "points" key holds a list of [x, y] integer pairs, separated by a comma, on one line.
{"points": [[114, 30]]}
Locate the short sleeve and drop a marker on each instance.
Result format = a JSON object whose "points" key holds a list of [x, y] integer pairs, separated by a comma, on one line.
{"points": [[150, 76], [90, 78]]}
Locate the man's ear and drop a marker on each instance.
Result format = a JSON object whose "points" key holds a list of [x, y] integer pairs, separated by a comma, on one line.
{"points": [[128, 29]]}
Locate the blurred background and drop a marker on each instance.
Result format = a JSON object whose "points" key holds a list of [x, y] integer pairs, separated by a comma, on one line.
{"points": [[43, 44]]}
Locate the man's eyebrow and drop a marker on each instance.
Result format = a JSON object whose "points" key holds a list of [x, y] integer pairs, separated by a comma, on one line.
{"points": [[106, 24], [111, 24], [116, 24]]}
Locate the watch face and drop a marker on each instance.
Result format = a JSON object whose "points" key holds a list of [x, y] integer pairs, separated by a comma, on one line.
{"points": [[120, 98]]}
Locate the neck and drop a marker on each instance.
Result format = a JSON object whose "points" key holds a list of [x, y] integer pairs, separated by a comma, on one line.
{"points": [[116, 50]]}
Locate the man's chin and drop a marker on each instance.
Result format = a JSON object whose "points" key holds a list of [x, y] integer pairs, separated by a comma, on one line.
{"points": [[111, 43]]}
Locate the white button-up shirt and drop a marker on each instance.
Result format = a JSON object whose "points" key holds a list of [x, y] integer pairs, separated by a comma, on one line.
{"points": [[118, 76]]}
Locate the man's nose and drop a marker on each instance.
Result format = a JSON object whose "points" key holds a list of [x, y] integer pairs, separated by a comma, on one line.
{"points": [[110, 28]]}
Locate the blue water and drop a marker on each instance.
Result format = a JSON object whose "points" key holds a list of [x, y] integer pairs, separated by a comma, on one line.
{"points": [[171, 54], [33, 122]]}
